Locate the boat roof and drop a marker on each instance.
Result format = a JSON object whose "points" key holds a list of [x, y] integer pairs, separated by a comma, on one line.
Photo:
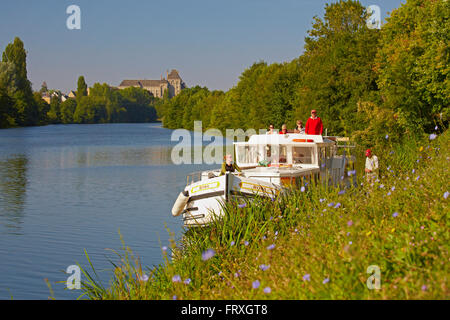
{"points": [[289, 138]]}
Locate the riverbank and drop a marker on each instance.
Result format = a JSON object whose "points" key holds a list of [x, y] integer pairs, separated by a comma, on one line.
{"points": [[316, 244]]}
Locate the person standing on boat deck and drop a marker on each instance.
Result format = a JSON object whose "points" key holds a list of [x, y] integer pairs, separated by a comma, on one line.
{"points": [[270, 129], [314, 124], [299, 128], [228, 165], [283, 129], [371, 166]]}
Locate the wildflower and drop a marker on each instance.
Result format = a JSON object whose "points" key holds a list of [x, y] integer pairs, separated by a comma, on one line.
{"points": [[417, 179], [326, 280], [236, 275], [433, 136], [436, 128], [271, 247], [350, 223], [395, 214], [389, 193], [348, 234], [337, 205], [255, 284], [246, 243], [342, 177], [350, 243], [302, 189], [208, 254], [276, 233], [267, 290], [341, 192], [424, 288], [242, 205], [391, 153], [174, 297], [387, 137], [331, 204], [322, 200], [264, 267], [393, 189], [164, 248], [307, 277], [381, 186], [187, 281], [176, 278], [144, 278], [232, 243], [446, 195]]}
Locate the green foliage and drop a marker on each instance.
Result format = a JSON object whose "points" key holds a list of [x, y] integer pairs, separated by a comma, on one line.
{"points": [[413, 63]]}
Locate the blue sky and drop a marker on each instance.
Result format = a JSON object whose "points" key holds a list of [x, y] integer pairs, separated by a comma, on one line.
{"points": [[210, 42]]}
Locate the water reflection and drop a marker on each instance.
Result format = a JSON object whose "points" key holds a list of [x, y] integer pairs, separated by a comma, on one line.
{"points": [[13, 183]]}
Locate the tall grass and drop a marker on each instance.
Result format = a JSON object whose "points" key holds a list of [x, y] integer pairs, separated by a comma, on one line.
{"points": [[315, 244]]}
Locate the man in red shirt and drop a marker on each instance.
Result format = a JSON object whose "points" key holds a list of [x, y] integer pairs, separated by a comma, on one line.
{"points": [[314, 124]]}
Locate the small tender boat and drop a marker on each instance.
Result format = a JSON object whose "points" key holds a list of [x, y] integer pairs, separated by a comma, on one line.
{"points": [[270, 164]]}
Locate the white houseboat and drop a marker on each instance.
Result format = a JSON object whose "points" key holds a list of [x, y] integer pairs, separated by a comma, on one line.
{"points": [[270, 164]]}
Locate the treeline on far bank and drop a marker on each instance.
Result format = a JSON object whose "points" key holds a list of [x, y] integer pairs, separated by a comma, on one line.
{"points": [[20, 106], [365, 83]]}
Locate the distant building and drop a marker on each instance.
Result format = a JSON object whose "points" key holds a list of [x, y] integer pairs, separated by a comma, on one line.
{"points": [[174, 84], [72, 94]]}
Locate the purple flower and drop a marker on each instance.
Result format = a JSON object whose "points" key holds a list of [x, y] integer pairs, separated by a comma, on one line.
{"points": [[326, 280], [393, 188], [255, 284], [350, 243], [418, 177], [302, 189], [337, 205], [446, 195], [187, 281], [331, 204], [389, 193], [433, 136], [208, 254], [341, 192], [246, 243], [271, 247], [267, 290], [174, 297], [395, 214], [144, 278], [322, 200], [236, 275], [176, 278], [264, 267], [436, 128], [242, 205], [350, 223], [164, 248], [232, 243], [307, 277], [387, 136], [381, 186], [424, 288]]}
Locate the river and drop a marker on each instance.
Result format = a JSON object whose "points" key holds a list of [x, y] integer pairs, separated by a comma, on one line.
{"points": [[69, 188]]}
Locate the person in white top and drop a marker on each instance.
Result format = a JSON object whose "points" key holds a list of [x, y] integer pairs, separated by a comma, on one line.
{"points": [[371, 166]]}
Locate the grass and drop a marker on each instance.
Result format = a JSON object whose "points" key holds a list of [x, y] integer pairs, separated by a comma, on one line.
{"points": [[316, 244]]}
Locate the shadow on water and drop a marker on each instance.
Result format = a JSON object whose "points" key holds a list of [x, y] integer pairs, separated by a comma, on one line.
{"points": [[13, 184]]}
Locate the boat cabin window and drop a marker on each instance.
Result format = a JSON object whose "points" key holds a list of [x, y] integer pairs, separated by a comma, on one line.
{"points": [[302, 155], [276, 154], [248, 154]]}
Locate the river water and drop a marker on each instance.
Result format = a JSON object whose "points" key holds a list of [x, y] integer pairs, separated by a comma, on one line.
{"points": [[69, 188]]}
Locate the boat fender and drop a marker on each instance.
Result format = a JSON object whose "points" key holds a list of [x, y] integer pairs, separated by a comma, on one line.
{"points": [[180, 203]]}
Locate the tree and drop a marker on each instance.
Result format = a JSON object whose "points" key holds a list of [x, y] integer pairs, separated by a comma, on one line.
{"points": [[68, 108], [25, 108], [413, 63], [81, 88]]}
